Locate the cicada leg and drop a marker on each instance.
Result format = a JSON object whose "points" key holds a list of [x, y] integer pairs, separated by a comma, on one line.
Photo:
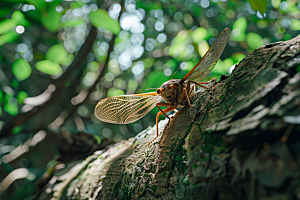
{"points": [[186, 92], [199, 83], [162, 112]]}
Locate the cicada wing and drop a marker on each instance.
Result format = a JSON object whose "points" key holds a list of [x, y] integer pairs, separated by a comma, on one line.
{"points": [[127, 108], [210, 59]]}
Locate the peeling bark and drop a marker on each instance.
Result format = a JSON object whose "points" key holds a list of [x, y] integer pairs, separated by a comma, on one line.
{"points": [[239, 141]]}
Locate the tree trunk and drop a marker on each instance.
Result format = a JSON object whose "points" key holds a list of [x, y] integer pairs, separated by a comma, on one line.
{"points": [[239, 141]]}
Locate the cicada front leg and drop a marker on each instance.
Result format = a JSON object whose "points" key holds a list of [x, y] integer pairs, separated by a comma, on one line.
{"points": [[184, 95]]}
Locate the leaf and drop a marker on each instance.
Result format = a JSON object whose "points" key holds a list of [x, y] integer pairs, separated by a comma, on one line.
{"points": [[51, 20], [11, 109], [102, 19], [239, 28], [19, 18], [74, 5], [179, 43], [240, 23], [57, 53], [258, 5], [21, 69], [114, 92], [149, 5], [21, 96], [172, 63], [49, 67], [6, 25], [220, 68], [203, 48], [73, 23], [295, 24], [8, 37], [254, 40], [199, 34], [238, 57]]}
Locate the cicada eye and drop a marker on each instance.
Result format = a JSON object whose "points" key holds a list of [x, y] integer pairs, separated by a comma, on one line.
{"points": [[176, 84], [158, 91]]}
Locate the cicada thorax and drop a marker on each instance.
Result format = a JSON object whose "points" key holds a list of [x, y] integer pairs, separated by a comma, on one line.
{"points": [[173, 92]]}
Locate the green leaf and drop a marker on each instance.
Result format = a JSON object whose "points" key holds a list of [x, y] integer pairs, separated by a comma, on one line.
{"points": [[11, 109], [172, 63], [73, 23], [276, 3], [199, 34], [228, 62], [21, 96], [49, 67], [258, 5], [74, 5], [21, 69], [17, 15], [149, 5], [295, 24], [97, 138], [239, 27], [16, 130], [179, 43], [287, 37], [102, 19], [8, 37], [254, 40], [19, 18], [132, 85], [6, 25], [240, 23], [114, 92], [51, 20], [220, 68], [149, 62], [57, 53], [238, 57]]}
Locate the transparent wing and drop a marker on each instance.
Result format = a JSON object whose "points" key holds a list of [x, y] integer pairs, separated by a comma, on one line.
{"points": [[209, 60], [127, 108]]}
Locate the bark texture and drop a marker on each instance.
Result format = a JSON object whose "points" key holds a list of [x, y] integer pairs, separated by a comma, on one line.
{"points": [[239, 141]]}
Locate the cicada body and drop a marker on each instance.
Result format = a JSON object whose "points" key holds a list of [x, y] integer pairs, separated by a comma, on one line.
{"points": [[175, 92]]}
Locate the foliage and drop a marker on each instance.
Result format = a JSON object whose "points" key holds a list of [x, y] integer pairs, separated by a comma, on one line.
{"points": [[50, 80]]}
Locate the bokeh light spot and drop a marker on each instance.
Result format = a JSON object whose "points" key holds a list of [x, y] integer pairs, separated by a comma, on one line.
{"points": [[178, 16], [184, 65], [204, 3], [168, 72], [161, 38], [20, 29], [159, 26], [150, 44]]}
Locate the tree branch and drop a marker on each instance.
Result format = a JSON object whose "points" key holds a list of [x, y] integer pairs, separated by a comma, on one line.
{"points": [[241, 136]]}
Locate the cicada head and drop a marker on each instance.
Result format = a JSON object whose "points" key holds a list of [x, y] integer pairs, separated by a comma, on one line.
{"points": [[170, 91]]}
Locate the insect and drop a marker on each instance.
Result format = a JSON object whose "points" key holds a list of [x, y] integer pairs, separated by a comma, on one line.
{"points": [[126, 109]]}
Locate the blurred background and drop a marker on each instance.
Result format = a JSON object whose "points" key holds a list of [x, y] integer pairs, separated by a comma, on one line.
{"points": [[58, 58]]}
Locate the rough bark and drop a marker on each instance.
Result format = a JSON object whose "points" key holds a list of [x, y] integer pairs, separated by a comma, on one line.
{"points": [[239, 141]]}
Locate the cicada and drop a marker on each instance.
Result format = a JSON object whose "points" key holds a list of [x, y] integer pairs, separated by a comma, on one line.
{"points": [[176, 93]]}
